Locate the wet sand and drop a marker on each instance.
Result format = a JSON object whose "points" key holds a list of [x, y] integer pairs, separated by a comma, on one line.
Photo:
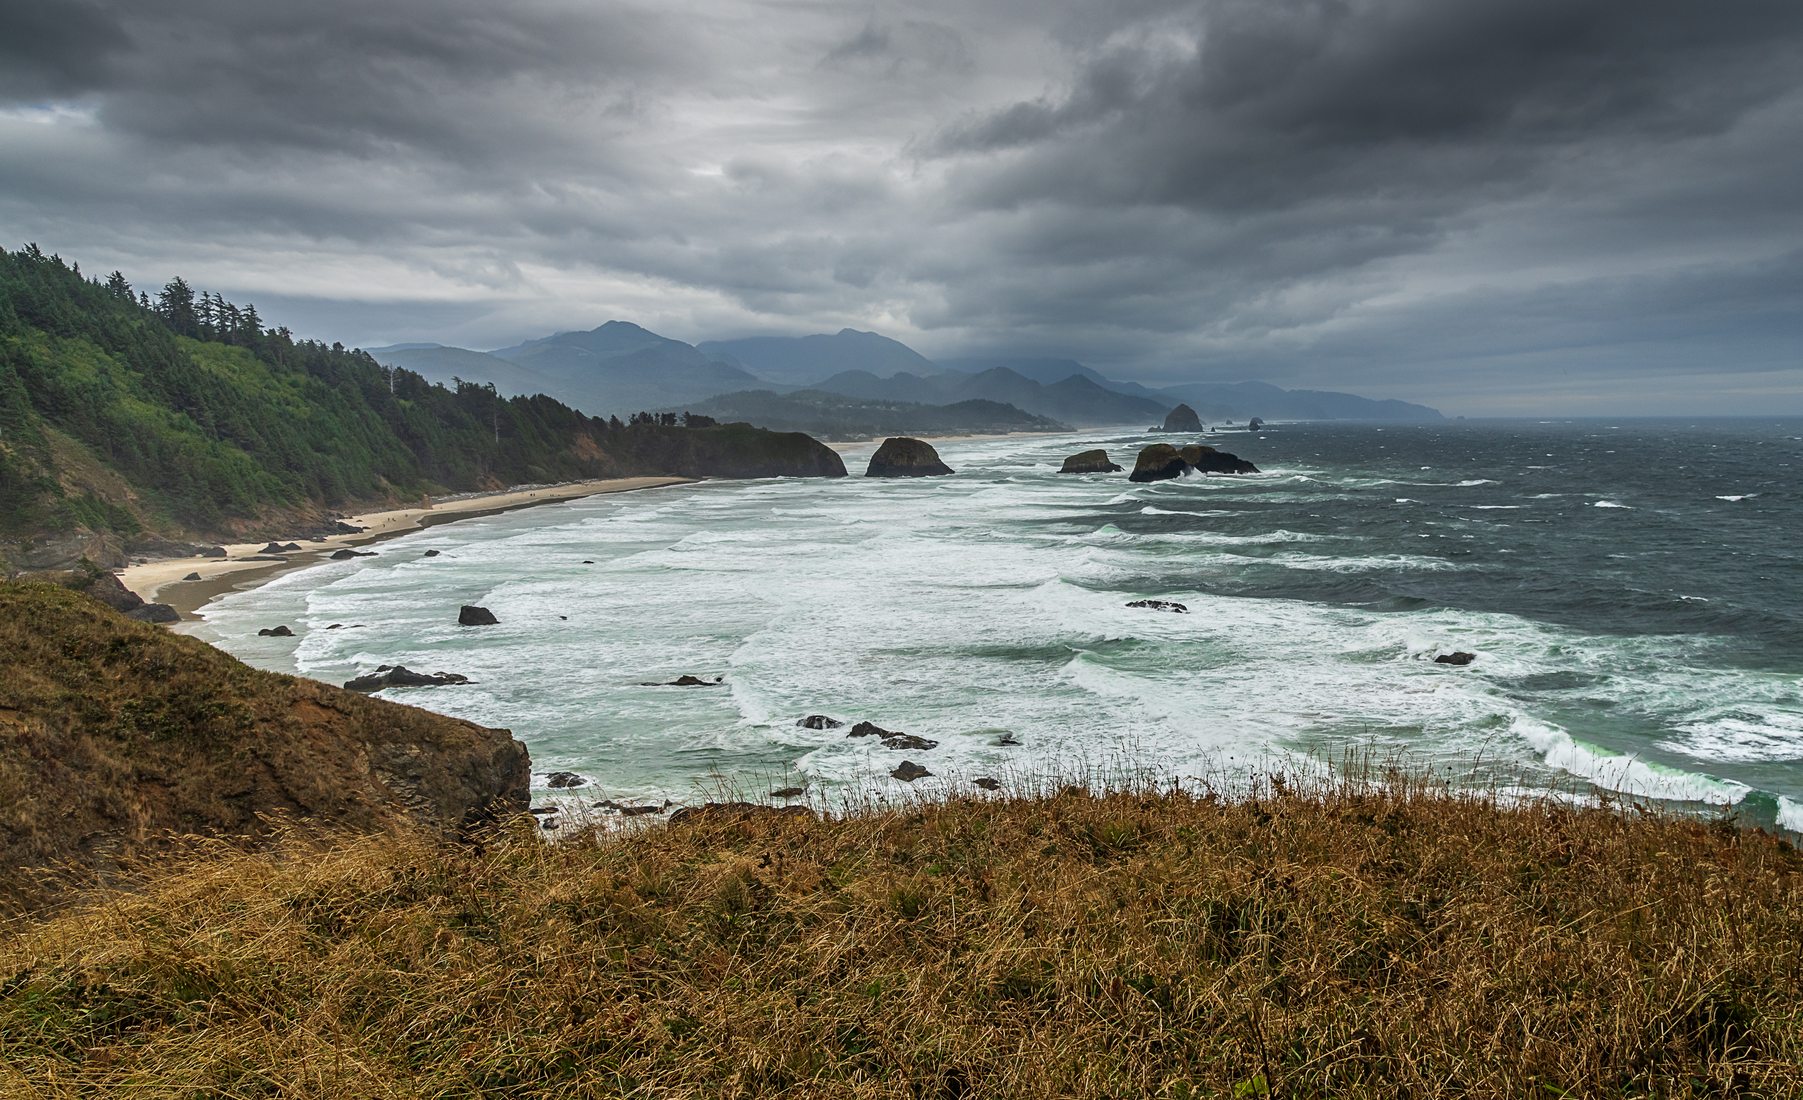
{"points": [[166, 580]]}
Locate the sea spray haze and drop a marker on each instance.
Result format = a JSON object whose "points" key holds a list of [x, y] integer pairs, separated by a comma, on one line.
{"points": [[1633, 592]]}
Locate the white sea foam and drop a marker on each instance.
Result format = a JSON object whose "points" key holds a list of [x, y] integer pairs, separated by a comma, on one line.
{"points": [[1624, 772], [1738, 496], [1790, 814], [1476, 481], [1607, 504], [990, 602]]}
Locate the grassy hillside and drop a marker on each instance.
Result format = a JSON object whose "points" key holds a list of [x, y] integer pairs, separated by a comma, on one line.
{"points": [[126, 419], [115, 735], [1371, 941]]}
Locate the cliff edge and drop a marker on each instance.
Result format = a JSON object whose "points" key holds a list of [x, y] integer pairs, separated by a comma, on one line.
{"points": [[116, 735]]}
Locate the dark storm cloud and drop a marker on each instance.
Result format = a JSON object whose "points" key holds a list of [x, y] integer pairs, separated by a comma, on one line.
{"points": [[49, 51], [1355, 193]]}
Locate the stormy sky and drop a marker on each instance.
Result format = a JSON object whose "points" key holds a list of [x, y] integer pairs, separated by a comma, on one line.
{"points": [[1495, 206]]}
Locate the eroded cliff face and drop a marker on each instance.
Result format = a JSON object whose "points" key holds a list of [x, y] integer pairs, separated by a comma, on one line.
{"points": [[116, 735]]}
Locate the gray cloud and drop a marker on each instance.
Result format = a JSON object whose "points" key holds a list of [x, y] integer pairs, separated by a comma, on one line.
{"points": [[1590, 196]]}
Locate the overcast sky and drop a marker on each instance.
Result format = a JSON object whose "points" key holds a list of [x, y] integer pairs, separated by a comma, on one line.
{"points": [[1494, 206]]}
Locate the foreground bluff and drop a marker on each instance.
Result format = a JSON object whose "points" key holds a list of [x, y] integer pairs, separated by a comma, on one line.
{"points": [[115, 734]]}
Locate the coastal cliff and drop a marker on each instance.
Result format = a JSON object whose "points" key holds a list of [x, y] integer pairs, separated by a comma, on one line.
{"points": [[116, 735], [134, 428]]}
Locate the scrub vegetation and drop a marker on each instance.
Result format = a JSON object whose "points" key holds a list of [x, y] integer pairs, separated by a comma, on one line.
{"points": [[1378, 936]]}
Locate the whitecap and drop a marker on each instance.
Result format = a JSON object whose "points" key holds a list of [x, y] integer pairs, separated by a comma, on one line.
{"points": [[1607, 504], [1790, 814], [1738, 496], [1623, 772], [1475, 481]]}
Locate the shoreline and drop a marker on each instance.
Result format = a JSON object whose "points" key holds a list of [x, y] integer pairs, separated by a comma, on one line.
{"points": [[166, 580]]}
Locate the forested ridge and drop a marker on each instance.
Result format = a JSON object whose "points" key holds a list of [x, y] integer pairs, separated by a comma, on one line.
{"points": [[134, 418]]}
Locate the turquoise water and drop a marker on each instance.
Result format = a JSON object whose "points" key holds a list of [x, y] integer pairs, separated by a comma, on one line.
{"points": [[1633, 591]]}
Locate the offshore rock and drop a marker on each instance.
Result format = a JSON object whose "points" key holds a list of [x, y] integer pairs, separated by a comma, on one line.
{"points": [[276, 632], [908, 771], [1089, 462], [1211, 461], [902, 456], [401, 676], [1460, 658], [1161, 605], [471, 615], [563, 781], [347, 554], [1161, 462], [819, 722], [1182, 419]]}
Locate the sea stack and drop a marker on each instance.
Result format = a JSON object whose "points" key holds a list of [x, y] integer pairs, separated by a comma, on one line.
{"points": [[900, 456], [1161, 462], [1089, 462], [1182, 419]]}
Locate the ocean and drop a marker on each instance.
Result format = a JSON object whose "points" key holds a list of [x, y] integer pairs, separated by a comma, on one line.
{"points": [[1632, 591]]}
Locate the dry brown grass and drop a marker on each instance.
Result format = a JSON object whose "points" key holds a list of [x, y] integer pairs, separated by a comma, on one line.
{"points": [[1362, 939]]}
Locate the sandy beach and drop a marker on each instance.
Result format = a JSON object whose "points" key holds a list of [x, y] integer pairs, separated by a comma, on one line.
{"points": [[187, 584]]}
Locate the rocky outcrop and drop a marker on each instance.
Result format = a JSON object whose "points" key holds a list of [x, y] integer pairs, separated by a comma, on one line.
{"points": [[740, 450], [1160, 605], [390, 676], [984, 782], [192, 576], [1182, 419], [1459, 658], [214, 552], [116, 737], [564, 781], [1211, 461], [347, 554], [154, 613], [901, 456], [471, 615], [891, 738], [276, 632], [819, 722], [908, 771], [1161, 462], [1089, 462], [686, 681], [736, 813]]}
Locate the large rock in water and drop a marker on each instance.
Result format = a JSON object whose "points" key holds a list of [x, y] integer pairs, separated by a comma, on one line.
{"points": [[116, 736], [1161, 461], [900, 456], [471, 615], [1182, 419], [1089, 462]]}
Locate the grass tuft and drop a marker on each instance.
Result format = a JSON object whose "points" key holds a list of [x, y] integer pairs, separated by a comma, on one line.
{"points": [[1369, 938]]}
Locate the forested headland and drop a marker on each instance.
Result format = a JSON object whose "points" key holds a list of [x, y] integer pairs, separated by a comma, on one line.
{"points": [[129, 419]]}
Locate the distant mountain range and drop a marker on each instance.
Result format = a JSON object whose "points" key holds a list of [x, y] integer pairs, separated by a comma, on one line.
{"points": [[621, 368], [837, 416]]}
